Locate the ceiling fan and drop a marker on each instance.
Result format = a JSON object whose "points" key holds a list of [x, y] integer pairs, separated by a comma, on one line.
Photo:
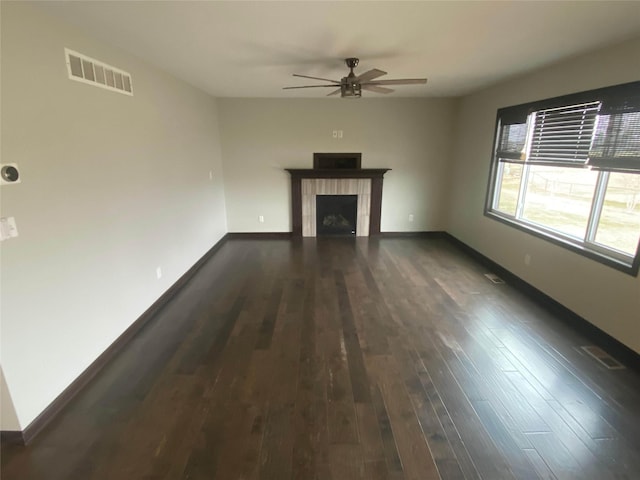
{"points": [[352, 85]]}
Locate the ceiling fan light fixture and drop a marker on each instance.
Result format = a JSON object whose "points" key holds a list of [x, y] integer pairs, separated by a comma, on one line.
{"points": [[350, 90]]}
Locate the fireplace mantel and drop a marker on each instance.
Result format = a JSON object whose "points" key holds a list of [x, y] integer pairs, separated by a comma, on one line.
{"points": [[375, 174], [337, 172]]}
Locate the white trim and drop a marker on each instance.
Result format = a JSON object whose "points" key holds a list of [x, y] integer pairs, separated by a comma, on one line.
{"points": [[105, 66], [602, 250], [597, 203]]}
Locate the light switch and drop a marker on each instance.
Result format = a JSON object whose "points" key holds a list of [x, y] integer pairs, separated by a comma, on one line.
{"points": [[8, 228]]}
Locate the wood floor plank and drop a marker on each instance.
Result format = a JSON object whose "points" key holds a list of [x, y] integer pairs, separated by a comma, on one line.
{"points": [[346, 462], [560, 461], [357, 371], [376, 470], [544, 472], [269, 320], [516, 457], [369, 433], [612, 467], [311, 444], [573, 437], [341, 413], [394, 464], [462, 455], [277, 444], [417, 460], [432, 430], [255, 394], [596, 391], [489, 462], [342, 358]]}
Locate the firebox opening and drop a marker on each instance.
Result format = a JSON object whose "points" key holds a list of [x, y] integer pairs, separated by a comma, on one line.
{"points": [[336, 214]]}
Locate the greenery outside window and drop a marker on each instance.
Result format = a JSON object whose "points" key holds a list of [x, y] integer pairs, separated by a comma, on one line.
{"points": [[568, 169]]}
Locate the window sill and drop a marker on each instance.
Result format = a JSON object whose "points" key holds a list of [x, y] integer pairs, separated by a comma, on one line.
{"points": [[630, 268]]}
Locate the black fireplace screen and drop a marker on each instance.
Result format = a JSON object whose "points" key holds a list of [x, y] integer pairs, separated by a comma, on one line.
{"points": [[336, 214]]}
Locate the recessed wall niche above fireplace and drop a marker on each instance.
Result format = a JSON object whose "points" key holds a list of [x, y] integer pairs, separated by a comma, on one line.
{"points": [[337, 160], [363, 183]]}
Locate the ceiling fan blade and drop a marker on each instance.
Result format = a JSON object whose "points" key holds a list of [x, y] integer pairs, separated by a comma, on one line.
{"points": [[370, 75], [316, 78], [399, 81], [335, 92], [310, 86], [377, 89]]}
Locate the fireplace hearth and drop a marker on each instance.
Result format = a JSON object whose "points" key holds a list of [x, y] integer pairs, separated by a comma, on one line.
{"points": [[336, 214]]}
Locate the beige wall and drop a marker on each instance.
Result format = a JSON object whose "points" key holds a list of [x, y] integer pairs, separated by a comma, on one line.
{"points": [[261, 137], [607, 298], [113, 187], [7, 412]]}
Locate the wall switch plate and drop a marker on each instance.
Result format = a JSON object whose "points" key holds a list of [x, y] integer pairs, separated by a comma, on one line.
{"points": [[159, 272], [339, 133], [527, 259], [411, 217], [335, 134], [210, 175], [8, 228], [261, 218]]}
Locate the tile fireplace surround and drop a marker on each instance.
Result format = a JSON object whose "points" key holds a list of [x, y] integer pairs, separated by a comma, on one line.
{"points": [[306, 184]]}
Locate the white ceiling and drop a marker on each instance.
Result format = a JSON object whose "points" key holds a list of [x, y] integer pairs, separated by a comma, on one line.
{"points": [[250, 49]]}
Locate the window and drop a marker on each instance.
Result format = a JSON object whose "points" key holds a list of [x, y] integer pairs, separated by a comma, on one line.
{"points": [[568, 169]]}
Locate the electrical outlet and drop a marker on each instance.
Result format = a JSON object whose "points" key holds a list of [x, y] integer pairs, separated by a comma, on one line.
{"points": [[411, 217], [261, 218], [527, 259], [335, 134], [159, 272]]}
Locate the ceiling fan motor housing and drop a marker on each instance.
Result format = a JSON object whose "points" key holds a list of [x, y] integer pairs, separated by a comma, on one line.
{"points": [[349, 89], [349, 86]]}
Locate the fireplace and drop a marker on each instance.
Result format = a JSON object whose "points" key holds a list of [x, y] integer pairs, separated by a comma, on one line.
{"points": [[363, 183], [336, 214]]}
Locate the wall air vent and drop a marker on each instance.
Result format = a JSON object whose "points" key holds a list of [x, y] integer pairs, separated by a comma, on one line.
{"points": [[494, 278], [603, 357], [88, 70]]}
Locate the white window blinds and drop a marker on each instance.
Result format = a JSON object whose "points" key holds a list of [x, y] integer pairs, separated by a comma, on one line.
{"points": [[562, 135]]}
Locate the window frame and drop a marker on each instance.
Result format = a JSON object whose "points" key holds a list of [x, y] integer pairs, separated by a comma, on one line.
{"points": [[587, 246]]}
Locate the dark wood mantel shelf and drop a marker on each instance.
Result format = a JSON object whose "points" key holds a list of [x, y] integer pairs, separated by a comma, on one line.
{"points": [[337, 172], [375, 174]]}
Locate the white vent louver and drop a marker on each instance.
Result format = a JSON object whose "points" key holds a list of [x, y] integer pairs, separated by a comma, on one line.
{"points": [[88, 70], [603, 357], [494, 278]]}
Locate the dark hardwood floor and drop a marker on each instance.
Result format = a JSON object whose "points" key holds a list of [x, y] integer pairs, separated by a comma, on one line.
{"points": [[344, 359]]}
